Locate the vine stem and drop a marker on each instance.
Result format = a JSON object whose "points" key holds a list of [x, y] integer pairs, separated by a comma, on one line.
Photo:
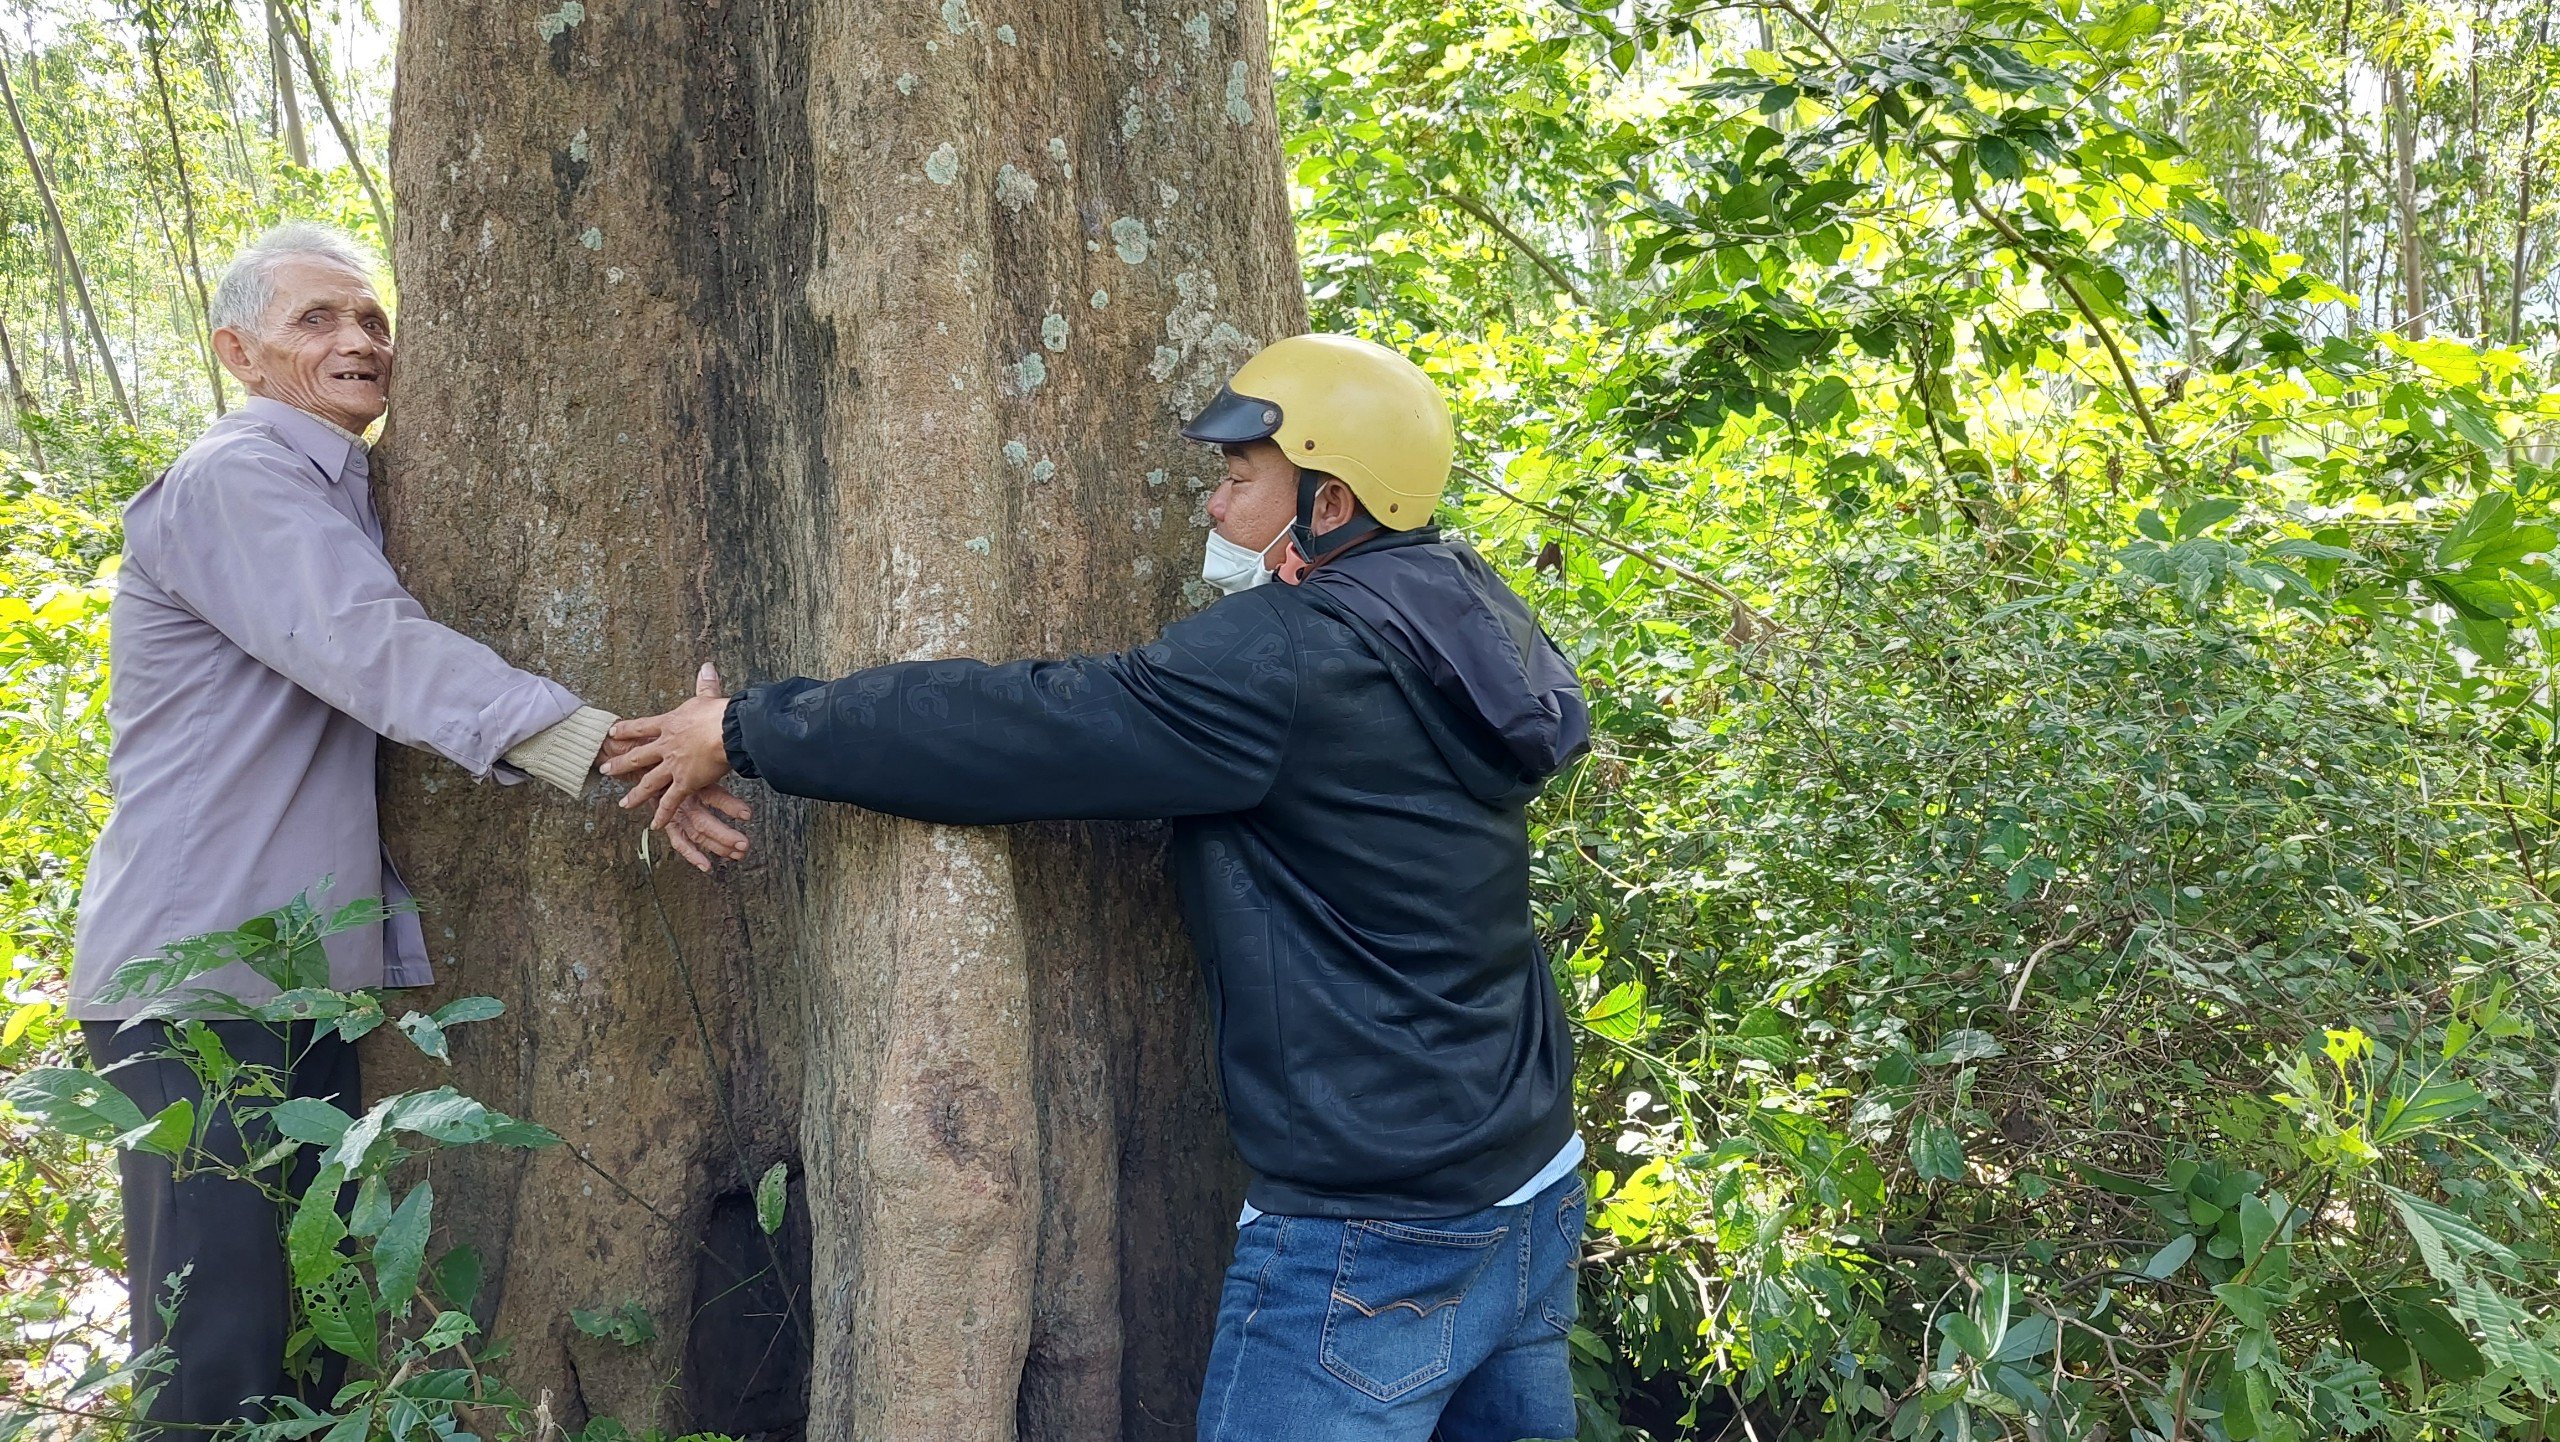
{"points": [[719, 1083]]}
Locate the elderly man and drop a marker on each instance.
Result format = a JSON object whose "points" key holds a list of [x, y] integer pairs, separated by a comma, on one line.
{"points": [[260, 643]]}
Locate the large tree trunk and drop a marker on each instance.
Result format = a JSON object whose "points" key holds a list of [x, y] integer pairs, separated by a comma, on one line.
{"points": [[809, 335]]}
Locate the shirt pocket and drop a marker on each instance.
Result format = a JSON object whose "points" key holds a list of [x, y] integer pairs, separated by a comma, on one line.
{"points": [[1392, 1320]]}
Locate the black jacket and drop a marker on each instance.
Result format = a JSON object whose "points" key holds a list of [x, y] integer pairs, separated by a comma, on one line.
{"points": [[1346, 764]]}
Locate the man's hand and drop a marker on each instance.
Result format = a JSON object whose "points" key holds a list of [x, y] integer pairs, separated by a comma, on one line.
{"points": [[698, 834], [681, 752]]}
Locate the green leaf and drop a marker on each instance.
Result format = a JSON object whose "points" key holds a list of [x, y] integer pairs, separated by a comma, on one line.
{"points": [[2203, 516], [402, 1248], [79, 1103], [311, 1241], [2247, 1303], [2490, 517], [2425, 1110], [2362, 1327], [457, 1276], [342, 1316], [448, 1330], [1966, 1334], [1821, 401], [425, 1035], [168, 1134], [2257, 1226], [1936, 1153], [309, 1119], [771, 1190], [2165, 1262], [2439, 1340], [2295, 548], [469, 1008], [1618, 1014], [627, 1324], [1998, 158], [2149, 523], [2136, 22]]}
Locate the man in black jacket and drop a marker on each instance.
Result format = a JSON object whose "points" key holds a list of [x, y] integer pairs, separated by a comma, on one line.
{"points": [[1345, 759]]}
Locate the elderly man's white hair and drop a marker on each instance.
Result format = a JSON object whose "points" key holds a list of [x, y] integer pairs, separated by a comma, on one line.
{"points": [[248, 284]]}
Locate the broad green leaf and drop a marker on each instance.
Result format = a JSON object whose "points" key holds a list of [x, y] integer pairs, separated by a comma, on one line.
{"points": [[469, 1008], [425, 1035], [309, 1119], [457, 1276], [1936, 1153], [2439, 1341], [449, 1329], [2490, 517], [168, 1134], [402, 1248], [2165, 1262], [2257, 1226], [771, 1191], [80, 1103], [311, 1241], [1619, 1013], [2203, 516]]}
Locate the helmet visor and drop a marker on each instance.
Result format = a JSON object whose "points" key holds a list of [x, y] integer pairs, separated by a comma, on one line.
{"points": [[1232, 420]]}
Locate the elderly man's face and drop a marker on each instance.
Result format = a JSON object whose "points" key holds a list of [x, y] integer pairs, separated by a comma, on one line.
{"points": [[324, 345]]}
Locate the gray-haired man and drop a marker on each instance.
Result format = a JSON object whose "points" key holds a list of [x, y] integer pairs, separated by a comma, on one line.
{"points": [[260, 644]]}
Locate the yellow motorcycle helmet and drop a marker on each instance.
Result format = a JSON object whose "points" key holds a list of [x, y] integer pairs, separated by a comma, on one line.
{"points": [[1348, 408]]}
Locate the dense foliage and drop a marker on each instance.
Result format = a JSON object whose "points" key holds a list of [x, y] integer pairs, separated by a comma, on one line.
{"points": [[2059, 907], [2053, 502]]}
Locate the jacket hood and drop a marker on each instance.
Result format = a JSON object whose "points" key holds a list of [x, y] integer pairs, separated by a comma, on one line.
{"points": [[1441, 609]]}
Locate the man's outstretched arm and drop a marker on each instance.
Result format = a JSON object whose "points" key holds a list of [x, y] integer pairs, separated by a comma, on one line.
{"points": [[1192, 724]]}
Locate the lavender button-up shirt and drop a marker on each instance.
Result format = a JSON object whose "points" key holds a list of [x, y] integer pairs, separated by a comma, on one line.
{"points": [[259, 643]]}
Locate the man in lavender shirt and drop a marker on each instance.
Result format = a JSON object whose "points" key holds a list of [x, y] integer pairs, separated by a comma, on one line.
{"points": [[260, 644]]}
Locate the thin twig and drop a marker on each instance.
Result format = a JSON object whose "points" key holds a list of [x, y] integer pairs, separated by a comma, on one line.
{"points": [[1519, 242], [1750, 620], [2018, 993]]}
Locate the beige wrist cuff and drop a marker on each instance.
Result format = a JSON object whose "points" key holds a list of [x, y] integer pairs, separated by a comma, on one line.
{"points": [[562, 754]]}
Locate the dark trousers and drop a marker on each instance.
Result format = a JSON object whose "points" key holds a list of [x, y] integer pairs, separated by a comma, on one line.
{"points": [[237, 1306]]}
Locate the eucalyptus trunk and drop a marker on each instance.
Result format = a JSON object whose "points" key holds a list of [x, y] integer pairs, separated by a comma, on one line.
{"points": [[288, 99], [2402, 118], [62, 241], [806, 336]]}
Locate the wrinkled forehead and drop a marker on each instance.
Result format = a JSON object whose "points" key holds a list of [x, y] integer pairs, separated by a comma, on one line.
{"points": [[302, 285]]}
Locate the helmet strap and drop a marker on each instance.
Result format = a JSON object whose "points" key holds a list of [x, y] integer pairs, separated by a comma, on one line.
{"points": [[1314, 550]]}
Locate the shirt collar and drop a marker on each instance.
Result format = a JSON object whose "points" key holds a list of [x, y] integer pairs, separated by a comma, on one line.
{"points": [[325, 443]]}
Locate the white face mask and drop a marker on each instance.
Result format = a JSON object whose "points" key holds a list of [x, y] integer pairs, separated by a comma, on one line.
{"points": [[1230, 567]]}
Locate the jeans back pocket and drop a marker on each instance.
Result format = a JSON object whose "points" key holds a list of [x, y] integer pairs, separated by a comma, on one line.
{"points": [[1393, 1317]]}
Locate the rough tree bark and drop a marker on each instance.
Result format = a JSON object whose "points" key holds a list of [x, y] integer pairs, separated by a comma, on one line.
{"points": [[808, 334]]}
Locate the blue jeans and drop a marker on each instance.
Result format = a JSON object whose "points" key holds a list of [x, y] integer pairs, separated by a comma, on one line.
{"points": [[1334, 1331]]}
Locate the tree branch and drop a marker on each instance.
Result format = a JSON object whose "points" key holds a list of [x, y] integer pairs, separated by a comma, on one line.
{"points": [[1518, 242], [1750, 623]]}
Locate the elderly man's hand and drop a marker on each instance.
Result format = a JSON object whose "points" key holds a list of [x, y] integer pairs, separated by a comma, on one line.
{"points": [[674, 755], [698, 834]]}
